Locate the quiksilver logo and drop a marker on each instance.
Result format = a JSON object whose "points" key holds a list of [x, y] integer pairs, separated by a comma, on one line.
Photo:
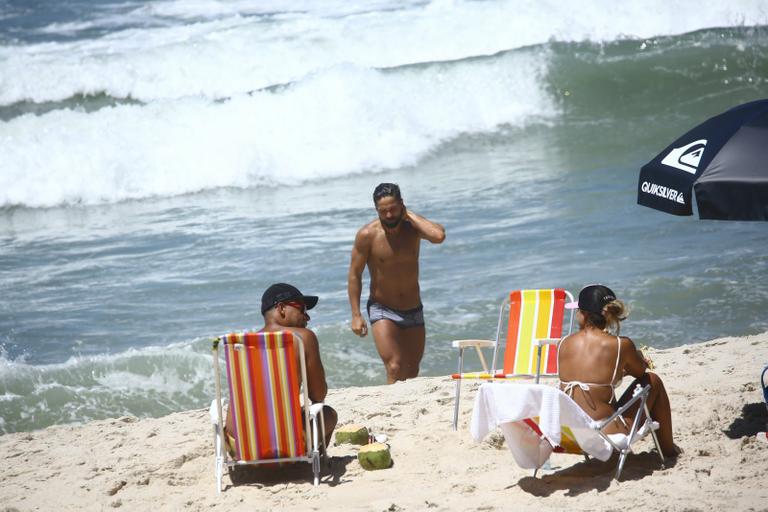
{"points": [[686, 158], [663, 192]]}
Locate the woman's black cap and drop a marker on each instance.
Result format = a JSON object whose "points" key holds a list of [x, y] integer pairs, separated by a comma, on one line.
{"points": [[593, 298]]}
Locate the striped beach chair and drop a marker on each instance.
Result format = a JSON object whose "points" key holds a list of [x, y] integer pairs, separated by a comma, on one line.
{"points": [[270, 411], [535, 321]]}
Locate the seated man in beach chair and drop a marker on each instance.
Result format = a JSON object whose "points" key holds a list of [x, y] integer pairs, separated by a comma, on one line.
{"points": [[284, 308]]}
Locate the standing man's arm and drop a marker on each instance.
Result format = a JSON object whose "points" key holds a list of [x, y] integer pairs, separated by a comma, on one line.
{"points": [[360, 251], [428, 230]]}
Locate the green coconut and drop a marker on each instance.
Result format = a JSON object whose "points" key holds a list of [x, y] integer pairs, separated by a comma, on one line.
{"points": [[352, 434], [374, 456]]}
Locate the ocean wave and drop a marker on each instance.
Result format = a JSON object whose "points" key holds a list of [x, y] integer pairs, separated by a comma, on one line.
{"points": [[352, 120], [141, 382], [337, 122], [695, 73], [223, 50], [81, 103]]}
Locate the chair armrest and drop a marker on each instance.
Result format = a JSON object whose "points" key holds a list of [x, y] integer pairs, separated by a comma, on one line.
{"points": [[545, 341], [472, 343], [621, 441], [638, 394]]}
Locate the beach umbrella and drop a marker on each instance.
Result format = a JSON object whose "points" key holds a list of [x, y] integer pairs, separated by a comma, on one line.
{"points": [[724, 161]]}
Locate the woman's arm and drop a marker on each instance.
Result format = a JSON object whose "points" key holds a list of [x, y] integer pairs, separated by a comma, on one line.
{"points": [[634, 362]]}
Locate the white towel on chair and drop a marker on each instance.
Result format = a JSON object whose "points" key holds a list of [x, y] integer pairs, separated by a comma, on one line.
{"points": [[505, 405]]}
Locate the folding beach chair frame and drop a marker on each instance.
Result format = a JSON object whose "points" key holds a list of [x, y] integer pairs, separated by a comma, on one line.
{"points": [[636, 433], [539, 343], [313, 415], [764, 384]]}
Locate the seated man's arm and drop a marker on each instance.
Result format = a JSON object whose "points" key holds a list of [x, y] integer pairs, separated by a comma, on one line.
{"points": [[316, 385]]}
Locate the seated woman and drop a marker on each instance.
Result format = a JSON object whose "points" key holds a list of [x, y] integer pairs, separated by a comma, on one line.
{"points": [[593, 362]]}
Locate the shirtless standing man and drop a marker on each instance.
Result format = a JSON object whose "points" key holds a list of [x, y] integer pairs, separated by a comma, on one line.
{"points": [[389, 246]]}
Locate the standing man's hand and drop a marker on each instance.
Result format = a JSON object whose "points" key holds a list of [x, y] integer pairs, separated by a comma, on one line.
{"points": [[359, 326], [428, 230]]}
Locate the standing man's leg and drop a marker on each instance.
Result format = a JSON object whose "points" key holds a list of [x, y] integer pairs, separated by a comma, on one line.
{"points": [[413, 341], [400, 349]]}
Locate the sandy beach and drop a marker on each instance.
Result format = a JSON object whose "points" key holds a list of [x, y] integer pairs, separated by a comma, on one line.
{"points": [[167, 463]]}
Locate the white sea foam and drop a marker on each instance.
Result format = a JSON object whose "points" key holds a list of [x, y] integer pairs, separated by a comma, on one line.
{"points": [[44, 374], [146, 381], [165, 381], [343, 120], [150, 380], [346, 110], [230, 48], [196, 9]]}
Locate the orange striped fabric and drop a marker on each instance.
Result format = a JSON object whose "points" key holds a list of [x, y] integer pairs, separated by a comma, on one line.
{"points": [[263, 379], [533, 314]]}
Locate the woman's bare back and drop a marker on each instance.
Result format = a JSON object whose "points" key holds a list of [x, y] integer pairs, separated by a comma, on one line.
{"points": [[592, 361]]}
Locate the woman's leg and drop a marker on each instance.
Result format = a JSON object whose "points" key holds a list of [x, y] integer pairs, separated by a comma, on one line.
{"points": [[658, 406]]}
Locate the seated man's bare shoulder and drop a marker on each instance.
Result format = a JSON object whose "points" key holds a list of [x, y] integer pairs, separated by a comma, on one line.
{"points": [[308, 338], [308, 335], [317, 385]]}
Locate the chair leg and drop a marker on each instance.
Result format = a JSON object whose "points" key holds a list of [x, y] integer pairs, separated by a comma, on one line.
{"points": [[622, 458], [315, 447], [324, 449], [482, 359], [316, 467], [325, 459], [653, 433], [634, 429], [456, 405], [458, 391], [219, 460]]}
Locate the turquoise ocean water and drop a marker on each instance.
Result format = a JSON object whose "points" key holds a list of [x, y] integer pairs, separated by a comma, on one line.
{"points": [[162, 162]]}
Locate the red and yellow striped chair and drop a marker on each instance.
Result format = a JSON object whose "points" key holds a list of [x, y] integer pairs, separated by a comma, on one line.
{"points": [[535, 324], [270, 411]]}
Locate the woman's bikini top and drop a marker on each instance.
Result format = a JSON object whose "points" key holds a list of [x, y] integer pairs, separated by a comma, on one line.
{"points": [[585, 386]]}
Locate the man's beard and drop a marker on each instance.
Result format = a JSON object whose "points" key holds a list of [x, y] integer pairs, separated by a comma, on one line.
{"points": [[393, 224]]}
